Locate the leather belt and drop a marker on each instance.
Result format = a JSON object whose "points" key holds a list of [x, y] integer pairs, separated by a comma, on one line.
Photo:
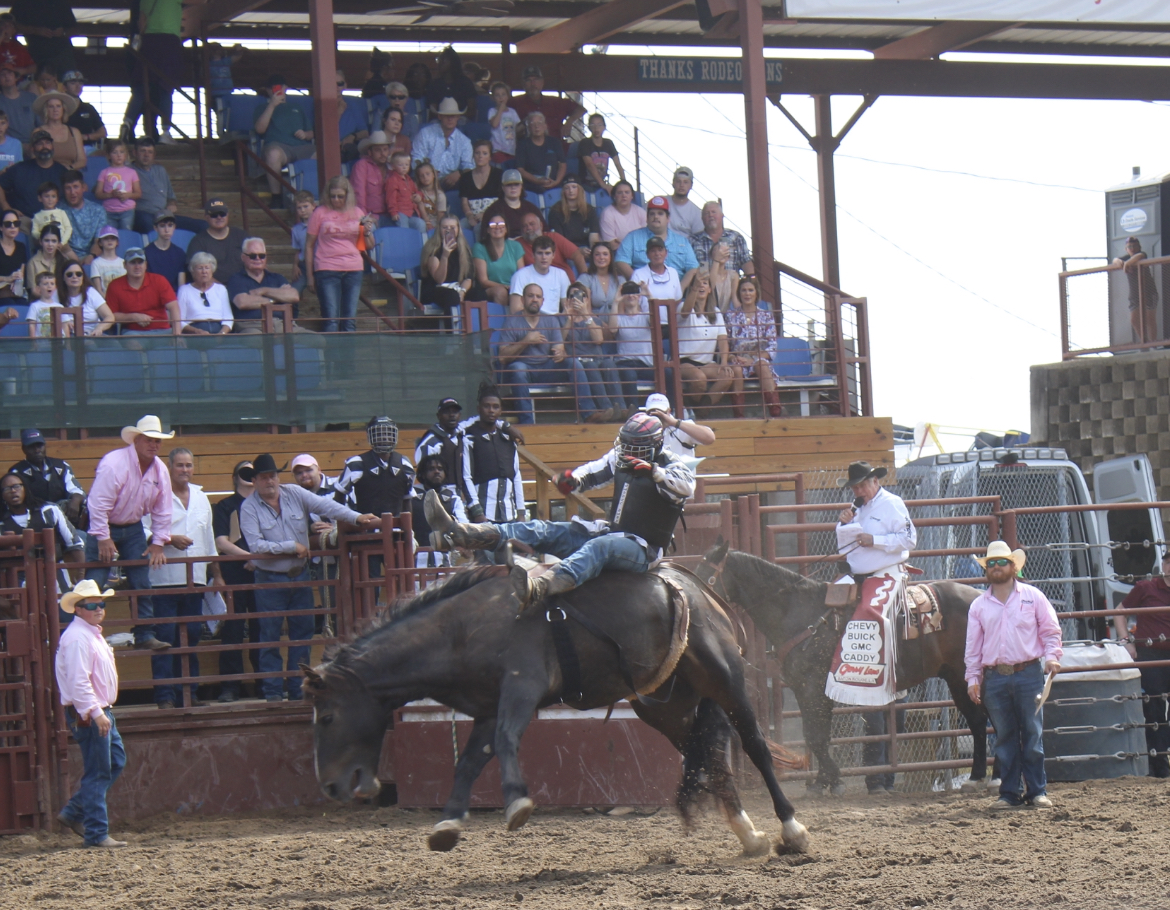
{"points": [[133, 524], [1009, 669]]}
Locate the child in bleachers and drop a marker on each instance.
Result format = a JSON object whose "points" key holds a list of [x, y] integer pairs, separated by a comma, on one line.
{"points": [[38, 317], [504, 121], [304, 203], [402, 195], [219, 68], [46, 259], [49, 196], [162, 256], [430, 201], [107, 265], [117, 187]]}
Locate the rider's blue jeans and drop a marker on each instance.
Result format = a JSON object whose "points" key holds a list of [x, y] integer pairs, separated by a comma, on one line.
{"points": [[584, 554]]}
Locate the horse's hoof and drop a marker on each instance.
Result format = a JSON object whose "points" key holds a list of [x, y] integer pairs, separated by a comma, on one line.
{"points": [[757, 844], [445, 835], [794, 837], [837, 789], [970, 786], [518, 813]]}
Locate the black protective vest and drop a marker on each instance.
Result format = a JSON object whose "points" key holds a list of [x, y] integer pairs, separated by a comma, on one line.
{"points": [[493, 455], [380, 490], [638, 508], [448, 454], [36, 522], [51, 489]]}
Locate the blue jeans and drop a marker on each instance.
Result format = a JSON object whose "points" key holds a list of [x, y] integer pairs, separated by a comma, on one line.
{"points": [[413, 222], [103, 758], [595, 384], [338, 293], [121, 220], [879, 753], [630, 373], [131, 544], [520, 374], [584, 555], [144, 222], [1011, 704], [164, 664], [300, 628]]}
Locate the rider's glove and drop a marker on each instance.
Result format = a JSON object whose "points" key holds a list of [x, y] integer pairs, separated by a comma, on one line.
{"points": [[567, 483], [638, 466]]}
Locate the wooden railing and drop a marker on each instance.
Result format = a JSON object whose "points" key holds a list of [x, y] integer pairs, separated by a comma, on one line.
{"points": [[546, 491]]}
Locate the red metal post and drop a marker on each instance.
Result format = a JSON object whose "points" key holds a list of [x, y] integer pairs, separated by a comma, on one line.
{"points": [[324, 59], [755, 102]]}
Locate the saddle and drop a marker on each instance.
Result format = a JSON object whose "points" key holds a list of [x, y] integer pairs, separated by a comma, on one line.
{"points": [[919, 612]]}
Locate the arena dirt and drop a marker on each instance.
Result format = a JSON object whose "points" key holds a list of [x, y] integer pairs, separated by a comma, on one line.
{"points": [[1104, 846]]}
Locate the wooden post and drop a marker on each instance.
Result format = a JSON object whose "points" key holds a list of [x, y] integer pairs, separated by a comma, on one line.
{"points": [[827, 183], [755, 101], [326, 116]]}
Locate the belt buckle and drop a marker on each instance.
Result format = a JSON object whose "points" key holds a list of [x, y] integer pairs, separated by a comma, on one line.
{"points": [[1005, 669], [294, 574]]}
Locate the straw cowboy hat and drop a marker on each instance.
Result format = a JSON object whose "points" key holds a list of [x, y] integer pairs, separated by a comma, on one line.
{"points": [[86, 589], [377, 137], [448, 107], [148, 426], [997, 549], [70, 103], [860, 471]]}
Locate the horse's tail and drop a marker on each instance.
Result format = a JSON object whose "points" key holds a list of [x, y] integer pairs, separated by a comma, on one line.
{"points": [[787, 760]]}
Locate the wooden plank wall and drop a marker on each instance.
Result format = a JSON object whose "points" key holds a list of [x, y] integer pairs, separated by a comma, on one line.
{"points": [[743, 447]]}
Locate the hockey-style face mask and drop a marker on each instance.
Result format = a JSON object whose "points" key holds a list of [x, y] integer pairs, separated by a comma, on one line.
{"points": [[383, 436]]}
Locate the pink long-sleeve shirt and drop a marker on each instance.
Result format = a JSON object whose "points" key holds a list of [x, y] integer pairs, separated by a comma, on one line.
{"points": [[367, 179], [1025, 628], [122, 494], [86, 675]]}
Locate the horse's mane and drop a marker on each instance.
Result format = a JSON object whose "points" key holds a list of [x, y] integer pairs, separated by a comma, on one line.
{"points": [[405, 606], [772, 574]]}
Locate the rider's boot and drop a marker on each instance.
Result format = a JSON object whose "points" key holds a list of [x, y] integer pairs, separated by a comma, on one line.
{"points": [[531, 591], [449, 534]]}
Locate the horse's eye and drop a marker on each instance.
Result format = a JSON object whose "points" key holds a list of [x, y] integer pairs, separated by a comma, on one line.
{"points": [[325, 720]]}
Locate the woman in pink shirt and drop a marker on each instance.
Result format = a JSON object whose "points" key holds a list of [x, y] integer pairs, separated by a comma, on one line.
{"points": [[333, 262]]}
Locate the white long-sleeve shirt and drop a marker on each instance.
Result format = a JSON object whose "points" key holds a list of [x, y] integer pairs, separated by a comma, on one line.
{"points": [[886, 518], [192, 521]]}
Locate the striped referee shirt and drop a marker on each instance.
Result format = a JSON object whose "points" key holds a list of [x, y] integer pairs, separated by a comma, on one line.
{"points": [[491, 473]]}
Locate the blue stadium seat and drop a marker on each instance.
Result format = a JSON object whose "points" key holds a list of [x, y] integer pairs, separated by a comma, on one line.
{"points": [[128, 240], [236, 370], [476, 131], [793, 358], [17, 328], [572, 162], [41, 378], [176, 371], [599, 199], [399, 251], [93, 167], [23, 238], [115, 373], [497, 313], [309, 366], [12, 365], [303, 175], [454, 203], [374, 108], [469, 233], [242, 112]]}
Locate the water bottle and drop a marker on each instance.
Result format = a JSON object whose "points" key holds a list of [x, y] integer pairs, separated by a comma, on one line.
{"points": [[18, 285]]}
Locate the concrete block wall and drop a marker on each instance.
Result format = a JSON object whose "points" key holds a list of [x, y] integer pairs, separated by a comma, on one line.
{"points": [[1098, 408]]}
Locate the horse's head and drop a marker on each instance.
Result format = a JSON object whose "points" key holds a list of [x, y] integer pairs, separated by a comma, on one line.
{"points": [[349, 725], [710, 570]]}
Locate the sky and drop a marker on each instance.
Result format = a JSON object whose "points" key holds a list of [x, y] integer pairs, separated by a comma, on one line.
{"points": [[953, 216]]}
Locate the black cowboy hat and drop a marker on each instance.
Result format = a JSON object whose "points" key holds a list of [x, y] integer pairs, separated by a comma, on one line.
{"points": [[859, 471], [263, 464]]}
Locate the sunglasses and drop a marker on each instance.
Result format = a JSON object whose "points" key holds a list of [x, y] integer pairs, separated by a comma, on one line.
{"points": [[92, 607], [206, 302], [255, 256], [992, 563], [14, 224], [75, 274], [398, 97], [341, 85], [218, 213]]}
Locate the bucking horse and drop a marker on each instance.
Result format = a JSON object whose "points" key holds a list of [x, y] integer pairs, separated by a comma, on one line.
{"points": [[461, 643], [790, 610]]}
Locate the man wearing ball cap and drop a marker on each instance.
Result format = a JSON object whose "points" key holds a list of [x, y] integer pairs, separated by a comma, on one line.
{"points": [[1011, 631], [680, 256]]}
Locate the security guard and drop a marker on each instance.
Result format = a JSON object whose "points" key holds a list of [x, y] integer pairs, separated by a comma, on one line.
{"points": [[380, 480], [650, 488]]}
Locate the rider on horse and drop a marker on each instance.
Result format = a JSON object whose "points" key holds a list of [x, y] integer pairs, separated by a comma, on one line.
{"points": [[650, 487]]}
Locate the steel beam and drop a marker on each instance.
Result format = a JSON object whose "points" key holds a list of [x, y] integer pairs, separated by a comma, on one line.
{"points": [[595, 26], [755, 104], [326, 116], [825, 145], [202, 17], [946, 36]]}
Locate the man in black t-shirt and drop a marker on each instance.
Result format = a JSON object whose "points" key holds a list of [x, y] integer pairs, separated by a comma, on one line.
{"points": [[86, 119], [540, 159]]}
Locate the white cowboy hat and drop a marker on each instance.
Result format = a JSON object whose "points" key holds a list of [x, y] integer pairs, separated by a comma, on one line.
{"points": [[377, 137], [85, 589], [148, 426], [997, 549], [448, 106]]}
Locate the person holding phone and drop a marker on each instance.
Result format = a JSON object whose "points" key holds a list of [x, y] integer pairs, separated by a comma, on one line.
{"points": [[286, 131]]}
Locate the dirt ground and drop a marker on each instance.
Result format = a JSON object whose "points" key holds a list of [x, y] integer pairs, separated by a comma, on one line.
{"points": [[1103, 846]]}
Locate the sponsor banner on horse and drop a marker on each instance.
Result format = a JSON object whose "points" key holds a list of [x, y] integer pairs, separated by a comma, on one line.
{"points": [[862, 668]]}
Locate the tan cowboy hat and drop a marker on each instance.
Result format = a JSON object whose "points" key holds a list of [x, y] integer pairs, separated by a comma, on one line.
{"points": [[71, 103], [86, 589], [448, 106], [377, 137], [148, 426], [997, 549]]}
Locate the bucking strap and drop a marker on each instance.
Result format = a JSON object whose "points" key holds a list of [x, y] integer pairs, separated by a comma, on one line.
{"points": [[562, 638]]}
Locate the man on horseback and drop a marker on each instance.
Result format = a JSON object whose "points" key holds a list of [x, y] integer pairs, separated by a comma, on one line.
{"points": [[650, 487], [875, 534]]}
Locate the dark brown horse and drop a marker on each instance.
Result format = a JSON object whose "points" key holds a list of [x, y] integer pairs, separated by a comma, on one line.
{"points": [[784, 604], [461, 643]]}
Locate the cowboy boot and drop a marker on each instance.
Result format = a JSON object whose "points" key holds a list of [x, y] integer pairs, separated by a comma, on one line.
{"points": [[737, 404], [449, 534], [772, 399], [531, 591]]}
